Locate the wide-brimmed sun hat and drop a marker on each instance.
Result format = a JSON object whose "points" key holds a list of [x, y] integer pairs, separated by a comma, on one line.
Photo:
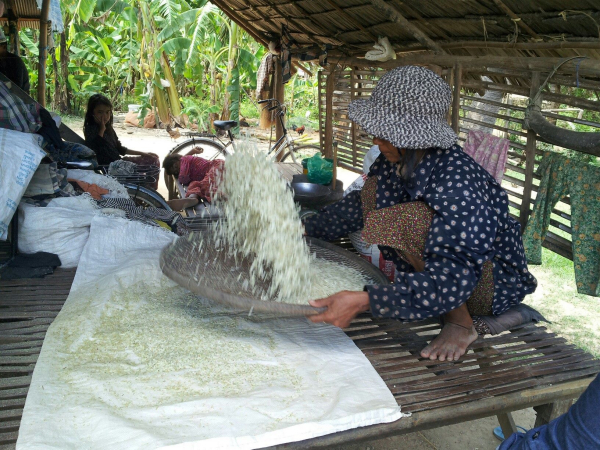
{"points": [[408, 108]]}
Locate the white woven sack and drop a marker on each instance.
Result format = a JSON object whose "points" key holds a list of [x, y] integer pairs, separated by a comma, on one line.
{"points": [[61, 231], [20, 156]]}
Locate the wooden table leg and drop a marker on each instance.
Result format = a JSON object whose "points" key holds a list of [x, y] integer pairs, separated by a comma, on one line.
{"points": [[550, 411], [507, 424]]}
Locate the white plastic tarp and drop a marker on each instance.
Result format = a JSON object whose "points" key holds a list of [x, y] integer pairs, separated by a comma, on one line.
{"points": [[132, 361], [20, 155]]}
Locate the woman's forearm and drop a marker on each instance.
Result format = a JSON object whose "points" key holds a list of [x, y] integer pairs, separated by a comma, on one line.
{"points": [[134, 152]]}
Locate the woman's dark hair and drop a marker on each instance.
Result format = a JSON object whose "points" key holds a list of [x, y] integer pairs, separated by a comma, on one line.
{"points": [[89, 123], [169, 162]]}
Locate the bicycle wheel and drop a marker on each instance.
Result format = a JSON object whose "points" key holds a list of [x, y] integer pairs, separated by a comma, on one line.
{"points": [[301, 152], [146, 198], [212, 150]]}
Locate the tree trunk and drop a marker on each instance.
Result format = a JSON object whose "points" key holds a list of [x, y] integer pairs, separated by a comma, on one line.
{"points": [[56, 100], [65, 97], [213, 94]]}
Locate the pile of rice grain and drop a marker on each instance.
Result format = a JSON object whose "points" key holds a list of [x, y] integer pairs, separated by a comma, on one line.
{"points": [[262, 222]]}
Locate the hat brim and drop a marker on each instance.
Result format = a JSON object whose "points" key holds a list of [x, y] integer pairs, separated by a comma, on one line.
{"points": [[413, 132]]}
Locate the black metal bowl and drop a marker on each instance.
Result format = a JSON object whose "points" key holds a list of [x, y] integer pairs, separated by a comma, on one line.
{"points": [[310, 192]]}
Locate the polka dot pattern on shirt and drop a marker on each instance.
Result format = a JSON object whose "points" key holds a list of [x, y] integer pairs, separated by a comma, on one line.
{"points": [[471, 225]]}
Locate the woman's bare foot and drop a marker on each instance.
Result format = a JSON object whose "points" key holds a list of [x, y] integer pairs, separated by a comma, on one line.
{"points": [[181, 203], [451, 343]]}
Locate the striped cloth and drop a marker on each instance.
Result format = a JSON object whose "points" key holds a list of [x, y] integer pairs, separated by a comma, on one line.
{"points": [[149, 216], [16, 115]]}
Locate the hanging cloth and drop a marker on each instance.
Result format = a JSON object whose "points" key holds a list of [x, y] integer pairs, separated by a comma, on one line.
{"points": [[265, 70], [581, 181], [489, 151]]}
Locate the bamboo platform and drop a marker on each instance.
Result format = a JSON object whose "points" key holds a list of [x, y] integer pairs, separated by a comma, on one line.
{"points": [[27, 308], [526, 367]]}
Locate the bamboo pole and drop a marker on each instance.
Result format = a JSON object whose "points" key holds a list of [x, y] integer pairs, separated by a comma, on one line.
{"points": [[43, 53], [351, 19], [289, 19], [529, 159], [520, 23], [456, 98], [397, 17], [519, 90], [279, 95], [242, 22], [331, 79], [469, 63], [302, 67], [554, 45]]}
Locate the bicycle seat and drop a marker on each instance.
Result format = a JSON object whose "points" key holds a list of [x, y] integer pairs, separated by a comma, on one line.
{"points": [[225, 124]]}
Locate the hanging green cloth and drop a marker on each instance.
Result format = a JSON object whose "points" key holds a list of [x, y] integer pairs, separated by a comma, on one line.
{"points": [[563, 176]]}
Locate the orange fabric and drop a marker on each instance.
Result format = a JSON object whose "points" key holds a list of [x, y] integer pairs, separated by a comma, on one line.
{"points": [[93, 189]]}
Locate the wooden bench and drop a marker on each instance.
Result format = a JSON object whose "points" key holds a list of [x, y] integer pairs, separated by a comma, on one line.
{"points": [[528, 367]]}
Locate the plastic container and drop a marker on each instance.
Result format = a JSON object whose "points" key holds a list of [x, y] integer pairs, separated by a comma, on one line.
{"points": [[304, 167]]}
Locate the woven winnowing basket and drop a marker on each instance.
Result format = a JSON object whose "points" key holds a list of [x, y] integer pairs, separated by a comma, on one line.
{"points": [[213, 273]]}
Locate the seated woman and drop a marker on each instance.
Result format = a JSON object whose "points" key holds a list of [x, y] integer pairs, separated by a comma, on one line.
{"points": [[437, 214], [100, 136], [198, 174]]}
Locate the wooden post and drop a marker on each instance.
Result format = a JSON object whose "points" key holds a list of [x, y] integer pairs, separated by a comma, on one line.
{"points": [[549, 412], [334, 181], [352, 125], [450, 80], [456, 99], [279, 94], [43, 44], [331, 79], [529, 159], [321, 119], [13, 27]]}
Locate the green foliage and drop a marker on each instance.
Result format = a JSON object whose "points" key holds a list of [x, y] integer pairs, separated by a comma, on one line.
{"points": [[108, 45]]}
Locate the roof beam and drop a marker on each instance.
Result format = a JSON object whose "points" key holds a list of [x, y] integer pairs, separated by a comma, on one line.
{"points": [[305, 13], [424, 22], [554, 45], [397, 17], [586, 67], [520, 23], [355, 22], [233, 15], [299, 27]]}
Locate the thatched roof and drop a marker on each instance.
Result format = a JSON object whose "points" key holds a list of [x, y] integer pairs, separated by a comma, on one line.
{"points": [[458, 27], [27, 13]]}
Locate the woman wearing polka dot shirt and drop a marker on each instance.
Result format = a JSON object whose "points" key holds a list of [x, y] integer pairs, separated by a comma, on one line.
{"points": [[432, 210]]}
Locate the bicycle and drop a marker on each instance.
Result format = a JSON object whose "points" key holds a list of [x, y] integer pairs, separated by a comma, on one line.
{"points": [[214, 147]]}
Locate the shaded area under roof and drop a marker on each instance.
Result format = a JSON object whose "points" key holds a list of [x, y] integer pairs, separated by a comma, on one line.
{"points": [[466, 27]]}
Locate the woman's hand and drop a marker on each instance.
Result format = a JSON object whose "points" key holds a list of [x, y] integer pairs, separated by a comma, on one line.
{"points": [[100, 120], [341, 307], [195, 151]]}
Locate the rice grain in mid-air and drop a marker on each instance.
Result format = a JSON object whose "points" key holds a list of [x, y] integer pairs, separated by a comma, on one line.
{"points": [[262, 223]]}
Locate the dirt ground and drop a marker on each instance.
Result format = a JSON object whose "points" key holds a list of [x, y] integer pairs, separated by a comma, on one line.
{"points": [[474, 435]]}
